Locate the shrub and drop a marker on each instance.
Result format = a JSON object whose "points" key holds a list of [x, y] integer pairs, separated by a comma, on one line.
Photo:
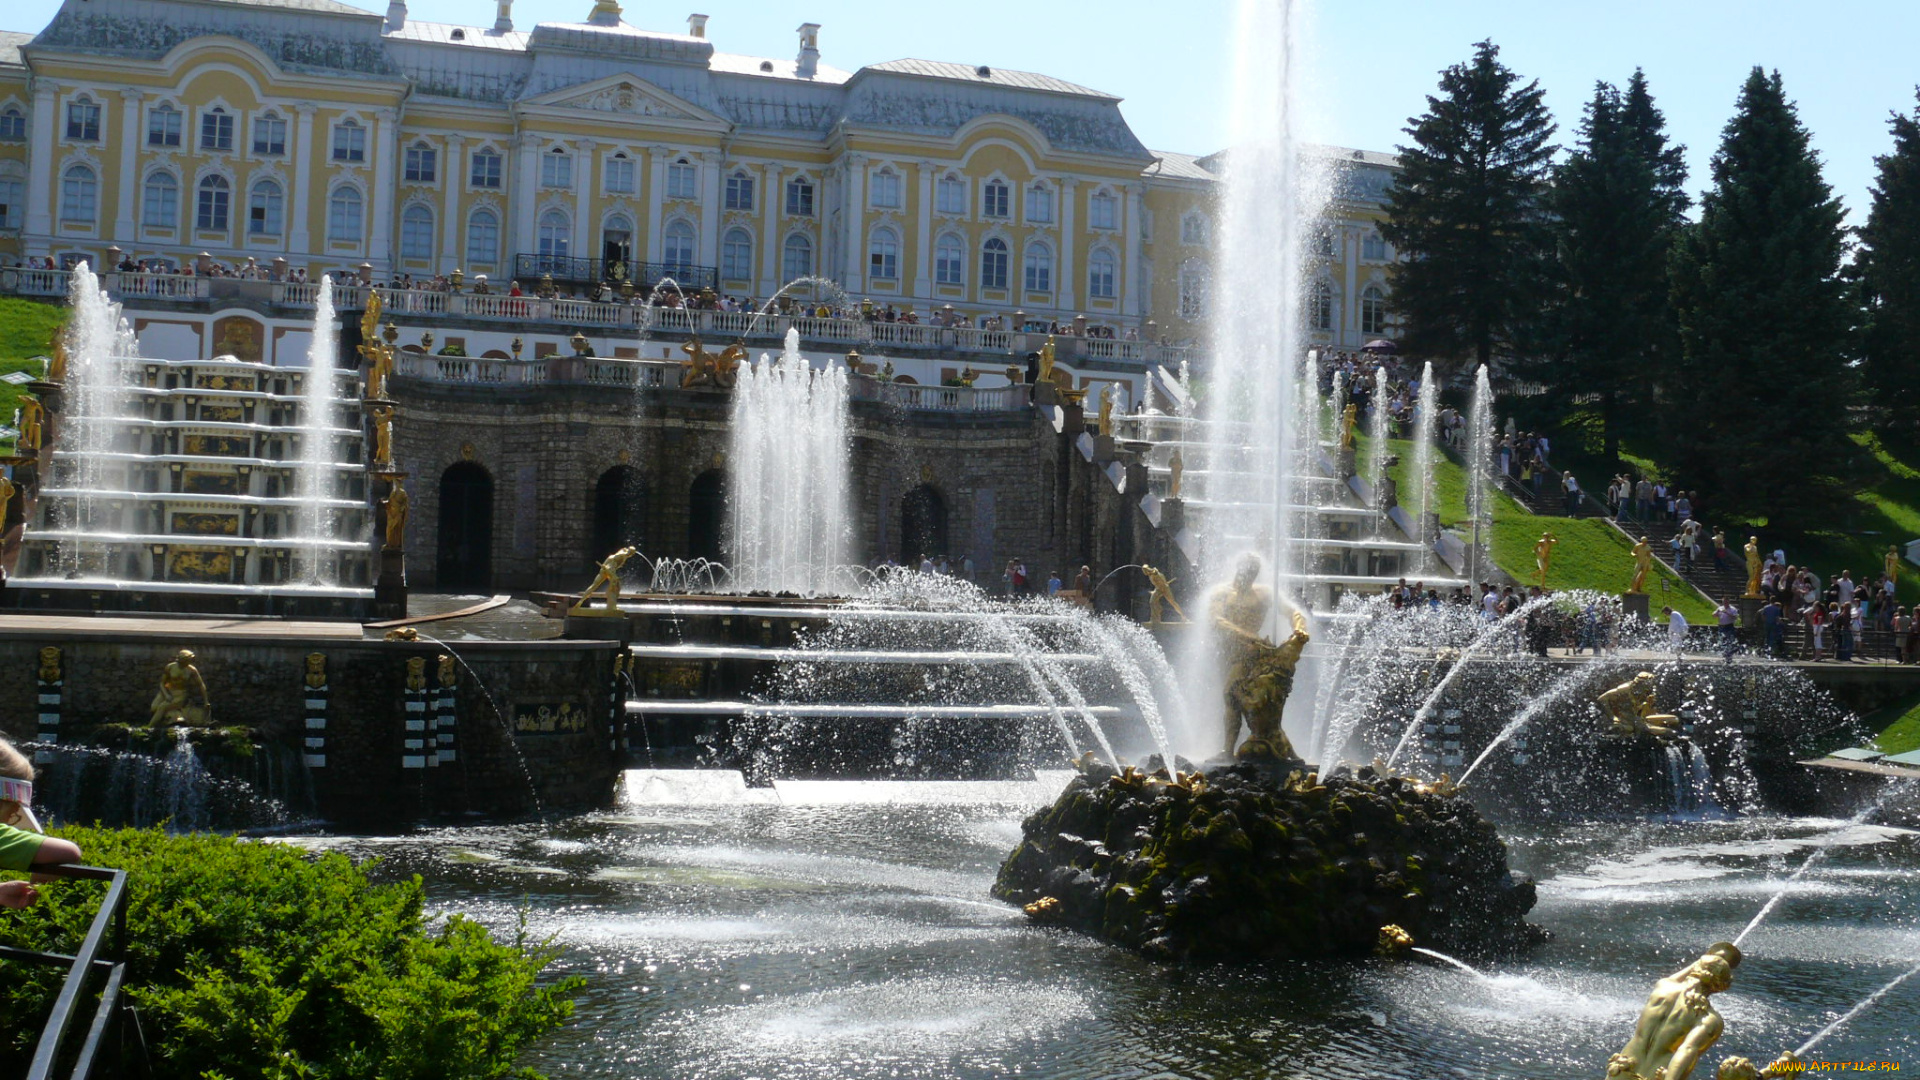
{"points": [[260, 960]]}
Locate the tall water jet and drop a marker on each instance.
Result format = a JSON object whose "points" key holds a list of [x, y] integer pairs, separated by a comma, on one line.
{"points": [[790, 460], [1479, 457], [93, 401], [1377, 449], [1422, 476], [317, 463]]}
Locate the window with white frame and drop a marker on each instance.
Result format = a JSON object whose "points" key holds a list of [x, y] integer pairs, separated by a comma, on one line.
{"points": [[800, 198], [83, 120], [422, 164], [1373, 310], [349, 142], [266, 209], [416, 232], [993, 264], [163, 126], [1102, 269], [13, 194], [556, 234], [1373, 247], [160, 202], [556, 169], [620, 174], [1103, 211], [483, 237], [1193, 290], [1323, 245], [1040, 204], [216, 130], [1195, 229], [949, 260], [950, 195], [683, 180], [346, 214], [677, 249], [1039, 267], [485, 171], [886, 189], [736, 255], [796, 258], [739, 191], [993, 199], [883, 255], [13, 125], [1320, 306], [213, 204], [79, 195], [270, 135]]}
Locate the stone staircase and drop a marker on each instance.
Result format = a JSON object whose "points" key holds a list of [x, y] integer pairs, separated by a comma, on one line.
{"points": [[1728, 581]]}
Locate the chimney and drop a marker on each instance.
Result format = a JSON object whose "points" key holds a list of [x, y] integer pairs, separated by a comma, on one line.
{"points": [[503, 22], [396, 14], [808, 64], [697, 26]]}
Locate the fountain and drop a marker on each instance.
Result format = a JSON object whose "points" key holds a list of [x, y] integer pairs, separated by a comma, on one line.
{"points": [[790, 461], [317, 448], [1426, 416], [1479, 457]]}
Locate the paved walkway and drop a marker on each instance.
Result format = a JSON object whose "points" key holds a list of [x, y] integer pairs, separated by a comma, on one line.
{"points": [[183, 628]]}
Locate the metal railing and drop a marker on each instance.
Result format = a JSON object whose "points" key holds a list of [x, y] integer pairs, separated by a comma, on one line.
{"points": [[647, 275], [102, 952]]}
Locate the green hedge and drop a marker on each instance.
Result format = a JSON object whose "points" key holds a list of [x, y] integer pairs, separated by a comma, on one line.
{"points": [[262, 960]]}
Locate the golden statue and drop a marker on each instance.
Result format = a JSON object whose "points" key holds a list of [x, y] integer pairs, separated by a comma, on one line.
{"points": [[443, 670], [396, 504], [1679, 1024], [416, 673], [1162, 597], [383, 435], [1046, 360], [183, 694], [316, 670], [1753, 567], [1348, 417], [1739, 1068], [1175, 466], [50, 664], [1543, 558], [1630, 707], [607, 583], [702, 368], [379, 356], [404, 633], [57, 365], [1106, 411], [1642, 565], [6, 499], [1259, 673], [29, 424], [1893, 565], [1393, 941]]}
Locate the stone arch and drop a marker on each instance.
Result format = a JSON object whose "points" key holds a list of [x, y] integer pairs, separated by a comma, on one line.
{"points": [[923, 525], [707, 516], [619, 508], [465, 557]]}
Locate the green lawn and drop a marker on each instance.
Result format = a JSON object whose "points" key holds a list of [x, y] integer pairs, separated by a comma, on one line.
{"points": [[1898, 724], [26, 328]]}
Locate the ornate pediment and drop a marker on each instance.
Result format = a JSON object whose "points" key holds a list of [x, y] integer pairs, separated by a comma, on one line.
{"points": [[625, 96]]}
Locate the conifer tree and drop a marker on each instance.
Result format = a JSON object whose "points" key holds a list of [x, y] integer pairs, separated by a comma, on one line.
{"points": [[1757, 410], [1468, 212], [1889, 269]]}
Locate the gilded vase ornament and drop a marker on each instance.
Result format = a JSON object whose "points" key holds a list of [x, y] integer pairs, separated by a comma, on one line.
{"points": [[606, 583], [1642, 565], [1679, 1024], [1259, 673], [1629, 708], [182, 697]]}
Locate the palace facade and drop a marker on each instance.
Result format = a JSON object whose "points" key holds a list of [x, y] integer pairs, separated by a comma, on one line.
{"points": [[335, 139]]}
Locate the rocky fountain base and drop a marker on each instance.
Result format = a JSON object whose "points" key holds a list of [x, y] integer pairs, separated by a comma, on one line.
{"points": [[1266, 860]]}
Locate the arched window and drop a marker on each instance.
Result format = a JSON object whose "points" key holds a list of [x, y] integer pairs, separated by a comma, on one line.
{"points": [[13, 125], [1373, 247], [556, 168], [950, 195], [416, 232], [556, 234], [683, 180], [618, 171], [739, 190], [796, 258], [160, 202], [1103, 211], [1040, 204], [216, 130], [83, 119], [993, 264], [993, 199], [270, 135], [212, 206], [1195, 229], [800, 197], [345, 214], [485, 172], [1039, 268], [950, 260], [163, 126], [483, 237], [1373, 310], [1193, 290], [265, 209], [677, 250], [736, 255], [616, 245], [422, 164], [349, 141], [79, 195], [1320, 306], [883, 255], [1101, 271], [886, 189]]}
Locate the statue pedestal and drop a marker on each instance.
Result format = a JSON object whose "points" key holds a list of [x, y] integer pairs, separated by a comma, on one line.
{"points": [[1103, 450], [596, 624], [1343, 463], [390, 587], [1751, 630], [1636, 605], [1173, 516]]}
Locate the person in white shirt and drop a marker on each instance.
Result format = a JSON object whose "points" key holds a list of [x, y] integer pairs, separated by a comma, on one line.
{"points": [[1676, 629]]}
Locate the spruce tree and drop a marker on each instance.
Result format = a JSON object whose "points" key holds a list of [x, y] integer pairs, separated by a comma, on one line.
{"points": [[1468, 212], [1758, 408], [1618, 203], [1888, 265]]}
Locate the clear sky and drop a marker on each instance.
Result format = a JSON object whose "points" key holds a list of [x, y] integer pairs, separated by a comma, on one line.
{"points": [[1847, 63]]}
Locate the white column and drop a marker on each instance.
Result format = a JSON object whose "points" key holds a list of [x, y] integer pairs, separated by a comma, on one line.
{"points": [[1130, 239], [386, 146], [525, 189], [710, 181], [453, 175], [1064, 288], [854, 227], [923, 249], [129, 179], [40, 186], [586, 237], [1350, 317], [656, 199], [302, 167], [771, 196]]}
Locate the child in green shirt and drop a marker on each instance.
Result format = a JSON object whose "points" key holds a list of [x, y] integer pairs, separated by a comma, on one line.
{"points": [[21, 845]]}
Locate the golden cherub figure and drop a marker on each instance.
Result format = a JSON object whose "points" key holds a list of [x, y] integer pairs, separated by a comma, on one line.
{"points": [[1162, 596], [1259, 673], [1679, 1024]]}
